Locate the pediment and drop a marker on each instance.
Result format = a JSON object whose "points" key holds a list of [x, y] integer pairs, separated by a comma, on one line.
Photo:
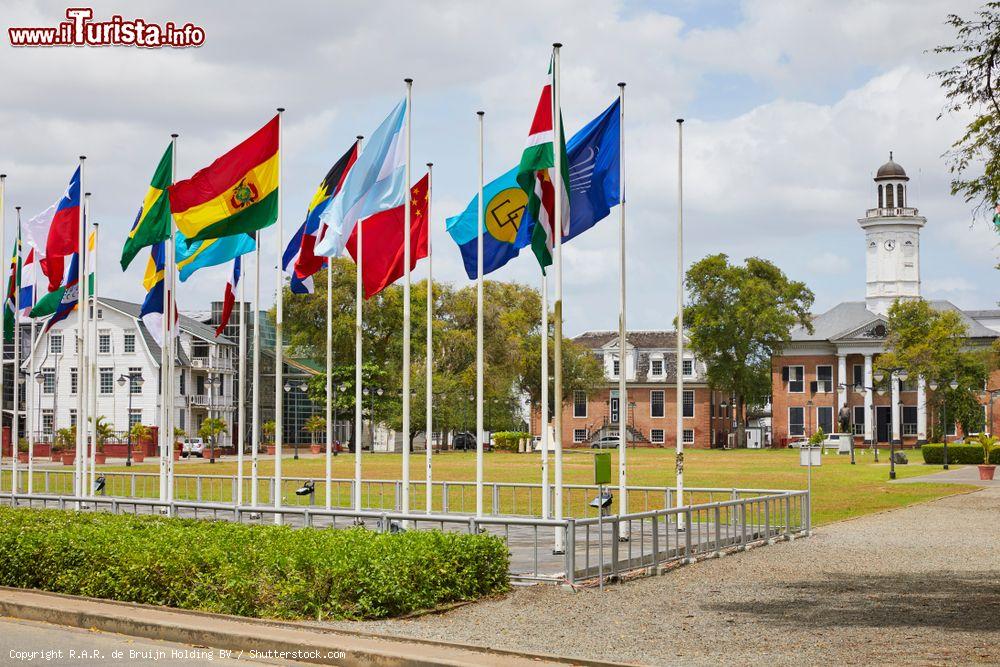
{"points": [[875, 329]]}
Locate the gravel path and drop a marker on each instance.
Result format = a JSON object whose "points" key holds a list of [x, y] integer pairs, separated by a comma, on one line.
{"points": [[919, 585]]}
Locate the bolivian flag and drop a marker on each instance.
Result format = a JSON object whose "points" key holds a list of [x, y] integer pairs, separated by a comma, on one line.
{"points": [[152, 223], [238, 193]]}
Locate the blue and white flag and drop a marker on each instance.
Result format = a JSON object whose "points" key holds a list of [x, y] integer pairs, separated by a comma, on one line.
{"points": [[376, 182]]}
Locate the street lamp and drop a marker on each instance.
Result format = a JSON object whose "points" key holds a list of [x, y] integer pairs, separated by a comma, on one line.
{"points": [[371, 410], [131, 378], [303, 388], [900, 374], [953, 384]]}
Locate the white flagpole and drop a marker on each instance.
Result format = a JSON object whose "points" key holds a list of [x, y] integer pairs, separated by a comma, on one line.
{"points": [[479, 330], [255, 404], [330, 426], [241, 407], [406, 309], [544, 418], [622, 331], [15, 438], [170, 338], [92, 391], [358, 319], [3, 257], [279, 422], [680, 317], [429, 416], [31, 386], [81, 373], [557, 229]]}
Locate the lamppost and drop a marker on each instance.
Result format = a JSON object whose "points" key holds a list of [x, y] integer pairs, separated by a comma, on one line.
{"points": [[303, 388], [900, 374], [953, 384], [371, 410], [136, 379], [846, 386], [211, 381], [336, 443], [989, 394]]}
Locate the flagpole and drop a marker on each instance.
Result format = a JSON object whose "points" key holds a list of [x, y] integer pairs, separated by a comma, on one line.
{"points": [[173, 326], [255, 403], [81, 394], [3, 353], [406, 307], [358, 320], [329, 384], [557, 227], [279, 316], [16, 427], [479, 330], [92, 391], [35, 398], [167, 349], [429, 416], [544, 417], [622, 331], [680, 319], [241, 408]]}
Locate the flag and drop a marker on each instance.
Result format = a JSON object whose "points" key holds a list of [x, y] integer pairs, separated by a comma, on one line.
{"points": [[593, 158], [536, 175], [59, 226], [28, 288], [230, 298], [152, 222], [151, 312], [383, 240], [376, 182], [49, 302], [69, 296], [300, 254], [193, 255], [238, 193], [13, 286]]}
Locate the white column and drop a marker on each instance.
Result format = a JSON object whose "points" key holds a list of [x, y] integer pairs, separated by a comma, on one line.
{"points": [[869, 401], [921, 410], [842, 382], [896, 422]]}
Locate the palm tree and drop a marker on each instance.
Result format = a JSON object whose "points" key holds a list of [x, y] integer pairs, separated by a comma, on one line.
{"points": [[315, 424], [210, 429], [104, 431]]}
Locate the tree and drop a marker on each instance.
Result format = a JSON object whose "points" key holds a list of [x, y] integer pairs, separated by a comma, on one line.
{"points": [[210, 430], [934, 344], [104, 431], [268, 429], [315, 424], [971, 85], [738, 319]]}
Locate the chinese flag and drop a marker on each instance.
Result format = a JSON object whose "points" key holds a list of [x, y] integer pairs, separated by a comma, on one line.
{"points": [[382, 242]]}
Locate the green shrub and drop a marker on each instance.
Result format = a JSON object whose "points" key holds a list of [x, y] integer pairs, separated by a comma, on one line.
{"points": [[959, 453], [508, 440], [258, 571]]}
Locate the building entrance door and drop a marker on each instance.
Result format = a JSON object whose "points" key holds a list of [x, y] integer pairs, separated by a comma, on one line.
{"points": [[883, 422], [614, 409]]}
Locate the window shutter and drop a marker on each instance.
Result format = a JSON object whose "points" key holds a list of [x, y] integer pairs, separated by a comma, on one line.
{"points": [[784, 373], [813, 386]]}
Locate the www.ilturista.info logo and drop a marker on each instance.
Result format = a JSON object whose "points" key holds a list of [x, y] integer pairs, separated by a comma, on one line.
{"points": [[79, 30]]}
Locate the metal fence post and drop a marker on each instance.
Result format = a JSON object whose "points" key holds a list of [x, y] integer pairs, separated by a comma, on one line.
{"points": [[808, 503], [767, 520], [615, 531], [570, 556], [687, 535], [656, 541], [444, 497], [496, 500], [743, 524], [788, 517], [718, 532]]}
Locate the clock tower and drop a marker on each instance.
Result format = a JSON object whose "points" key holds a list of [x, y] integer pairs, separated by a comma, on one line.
{"points": [[892, 241]]}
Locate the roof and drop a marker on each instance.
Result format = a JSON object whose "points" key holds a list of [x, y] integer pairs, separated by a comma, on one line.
{"points": [[850, 316], [595, 340], [891, 170]]}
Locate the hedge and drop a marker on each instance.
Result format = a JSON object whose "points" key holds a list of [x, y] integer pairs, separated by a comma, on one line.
{"points": [[509, 440], [257, 571], [958, 453]]}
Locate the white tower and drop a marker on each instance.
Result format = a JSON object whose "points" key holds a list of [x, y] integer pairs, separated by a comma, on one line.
{"points": [[892, 239]]}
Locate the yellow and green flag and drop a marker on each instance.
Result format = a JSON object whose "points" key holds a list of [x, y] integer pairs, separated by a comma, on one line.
{"points": [[152, 224]]}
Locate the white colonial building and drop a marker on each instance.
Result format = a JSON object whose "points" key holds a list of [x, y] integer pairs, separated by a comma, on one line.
{"points": [[127, 352]]}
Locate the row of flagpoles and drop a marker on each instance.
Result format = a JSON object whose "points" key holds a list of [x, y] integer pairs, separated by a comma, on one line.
{"points": [[371, 185]]}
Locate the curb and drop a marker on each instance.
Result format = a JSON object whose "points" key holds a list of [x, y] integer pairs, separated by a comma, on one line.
{"points": [[299, 642]]}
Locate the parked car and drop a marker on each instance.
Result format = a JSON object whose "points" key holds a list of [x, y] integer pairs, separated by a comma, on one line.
{"points": [[798, 441], [464, 441], [605, 442], [193, 447]]}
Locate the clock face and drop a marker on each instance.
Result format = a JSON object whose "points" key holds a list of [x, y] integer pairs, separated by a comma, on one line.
{"points": [[890, 244]]}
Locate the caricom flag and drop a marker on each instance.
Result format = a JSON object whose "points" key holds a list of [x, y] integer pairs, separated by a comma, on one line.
{"points": [[152, 222], [238, 193]]}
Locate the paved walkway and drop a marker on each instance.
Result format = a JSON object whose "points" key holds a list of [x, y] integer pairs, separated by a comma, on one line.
{"points": [[959, 475], [920, 585]]}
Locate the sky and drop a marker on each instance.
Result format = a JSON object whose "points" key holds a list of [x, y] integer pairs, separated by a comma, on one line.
{"points": [[789, 107]]}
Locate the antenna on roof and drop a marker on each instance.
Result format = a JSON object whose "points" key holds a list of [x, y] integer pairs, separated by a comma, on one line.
{"points": [[890, 156]]}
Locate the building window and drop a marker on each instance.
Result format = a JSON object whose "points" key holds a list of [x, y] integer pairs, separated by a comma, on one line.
{"points": [[824, 418], [72, 417], [134, 417], [74, 381], [180, 420], [48, 421], [55, 344], [889, 201], [824, 379], [656, 403], [688, 436], [615, 368], [656, 436], [183, 384], [899, 195], [950, 430], [688, 403], [104, 343], [107, 381], [100, 313], [796, 421], [880, 196], [129, 342], [48, 380], [909, 420], [858, 372], [579, 403], [859, 420], [656, 367], [795, 377], [579, 435], [134, 373], [687, 367]]}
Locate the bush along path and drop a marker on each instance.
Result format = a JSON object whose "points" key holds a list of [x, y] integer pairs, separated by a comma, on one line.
{"points": [[255, 571]]}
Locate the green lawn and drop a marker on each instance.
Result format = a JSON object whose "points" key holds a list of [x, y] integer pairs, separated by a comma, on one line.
{"points": [[840, 490]]}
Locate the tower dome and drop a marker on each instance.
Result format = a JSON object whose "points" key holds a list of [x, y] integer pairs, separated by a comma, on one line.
{"points": [[891, 170]]}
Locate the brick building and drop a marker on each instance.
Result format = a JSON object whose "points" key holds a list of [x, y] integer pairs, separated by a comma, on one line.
{"points": [[650, 417], [825, 379]]}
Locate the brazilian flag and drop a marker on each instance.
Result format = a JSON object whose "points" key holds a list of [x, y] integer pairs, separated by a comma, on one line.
{"points": [[152, 223]]}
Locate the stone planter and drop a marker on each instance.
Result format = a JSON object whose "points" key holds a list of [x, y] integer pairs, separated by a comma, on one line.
{"points": [[271, 449], [318, 449], [22, 457], [986, 471], [68, 458]]}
